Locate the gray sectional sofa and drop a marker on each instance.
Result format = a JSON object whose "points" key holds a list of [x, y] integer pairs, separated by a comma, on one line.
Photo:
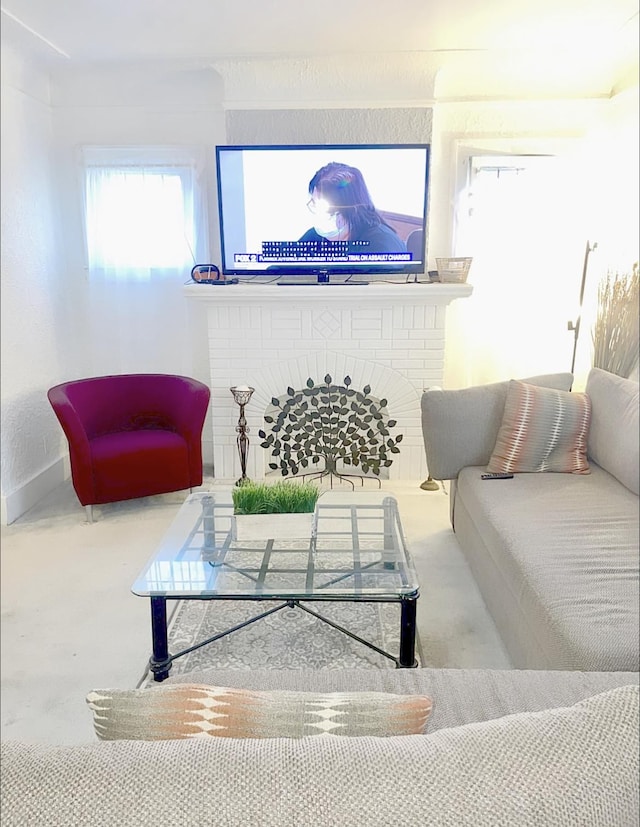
{"points": [[555, 554], [509, 747]]}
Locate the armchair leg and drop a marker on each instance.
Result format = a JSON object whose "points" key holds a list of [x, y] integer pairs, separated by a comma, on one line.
{"points": [[89, 510]]}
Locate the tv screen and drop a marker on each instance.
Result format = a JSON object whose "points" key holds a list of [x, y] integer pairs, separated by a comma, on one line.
{"points": [[318, 210]]}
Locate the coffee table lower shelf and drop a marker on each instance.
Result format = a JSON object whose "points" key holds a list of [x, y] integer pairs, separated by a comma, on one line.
{"points": [[161, 660]]}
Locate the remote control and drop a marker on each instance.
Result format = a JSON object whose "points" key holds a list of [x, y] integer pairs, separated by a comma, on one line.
{"points": [[496, 476]]}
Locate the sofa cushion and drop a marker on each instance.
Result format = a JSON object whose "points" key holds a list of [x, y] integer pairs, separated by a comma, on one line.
{"points": [[542, 429], [614, 434], [135, 463], [556, 558], [194, 710], [460, 427], [570, 766]]}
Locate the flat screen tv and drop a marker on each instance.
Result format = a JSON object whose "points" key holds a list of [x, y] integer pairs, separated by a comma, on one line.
{"points": [[322, 210]]}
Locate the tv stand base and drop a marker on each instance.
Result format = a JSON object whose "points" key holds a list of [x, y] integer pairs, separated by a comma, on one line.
{"points": [[321, 283]]}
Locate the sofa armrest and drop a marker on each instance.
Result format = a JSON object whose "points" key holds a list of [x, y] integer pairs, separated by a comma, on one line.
{"points": [[460, 426], [613, 435]]}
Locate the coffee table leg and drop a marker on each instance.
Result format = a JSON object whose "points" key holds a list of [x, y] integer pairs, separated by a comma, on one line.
{"points": [[388, 555], [407, 659], [160, 662]]}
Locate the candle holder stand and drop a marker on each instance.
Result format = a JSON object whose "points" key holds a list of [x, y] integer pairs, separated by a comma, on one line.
{"points": [[241, 396]]}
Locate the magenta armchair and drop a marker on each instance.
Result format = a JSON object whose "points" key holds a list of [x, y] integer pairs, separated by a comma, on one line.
{"points": [[132, 435]]}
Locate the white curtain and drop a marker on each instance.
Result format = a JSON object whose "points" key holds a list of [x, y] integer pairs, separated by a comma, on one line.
{"points": [[145, 226], [516, 220]]}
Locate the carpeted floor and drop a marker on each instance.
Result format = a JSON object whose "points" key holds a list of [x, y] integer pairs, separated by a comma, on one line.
{"points": [[71, 624]]}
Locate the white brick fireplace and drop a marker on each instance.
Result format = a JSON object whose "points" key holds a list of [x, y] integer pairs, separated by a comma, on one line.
{"points": [[389, 336]]}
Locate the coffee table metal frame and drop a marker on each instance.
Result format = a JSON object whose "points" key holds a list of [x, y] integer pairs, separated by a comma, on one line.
{"points": [[198, 554]]}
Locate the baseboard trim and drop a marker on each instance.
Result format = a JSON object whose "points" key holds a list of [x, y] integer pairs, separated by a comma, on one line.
{"points": [[16, 503]]}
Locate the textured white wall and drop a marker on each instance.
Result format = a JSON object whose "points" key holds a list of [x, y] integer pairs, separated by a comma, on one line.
{"points": [[47, 331], [340, 81], [39, 305], [141, 106]]}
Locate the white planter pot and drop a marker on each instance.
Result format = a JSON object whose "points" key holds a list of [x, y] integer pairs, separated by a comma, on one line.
{"points": [[272, 526]]}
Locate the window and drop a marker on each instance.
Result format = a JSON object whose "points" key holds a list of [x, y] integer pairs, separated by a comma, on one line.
{"points": [[140, 212], [516, 218]]}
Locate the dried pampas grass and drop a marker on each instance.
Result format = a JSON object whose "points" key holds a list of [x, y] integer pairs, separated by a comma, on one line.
{"points": [[615, 332]]}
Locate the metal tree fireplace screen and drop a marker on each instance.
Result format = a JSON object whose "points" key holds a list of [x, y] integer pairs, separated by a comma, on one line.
{"points": [[327, 430]]}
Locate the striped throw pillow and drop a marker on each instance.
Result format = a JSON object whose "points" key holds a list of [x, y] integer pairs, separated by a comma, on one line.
{"points": [[196, 710], [542, 430]]}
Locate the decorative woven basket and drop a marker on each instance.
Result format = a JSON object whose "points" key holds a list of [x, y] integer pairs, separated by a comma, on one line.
{"points": [[453, 269]]}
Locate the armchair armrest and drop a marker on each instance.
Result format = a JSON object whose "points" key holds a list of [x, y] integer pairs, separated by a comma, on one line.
{"points": [[460, 426], [185, 402], [78, 440]]}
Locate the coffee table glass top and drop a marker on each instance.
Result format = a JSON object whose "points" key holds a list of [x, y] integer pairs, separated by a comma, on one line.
{"points": [[357, 550]]}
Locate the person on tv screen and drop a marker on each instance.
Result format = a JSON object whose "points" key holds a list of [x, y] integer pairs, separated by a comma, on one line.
{"points": [[343, 211]]}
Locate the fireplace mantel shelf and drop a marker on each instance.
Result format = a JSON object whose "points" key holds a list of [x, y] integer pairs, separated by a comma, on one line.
{"points": [[342, 295]]}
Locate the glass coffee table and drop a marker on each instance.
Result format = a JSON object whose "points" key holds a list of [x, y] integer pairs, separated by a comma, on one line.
{"points": [[356, 553]]}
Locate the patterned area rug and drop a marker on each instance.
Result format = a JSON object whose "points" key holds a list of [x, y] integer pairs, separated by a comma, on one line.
{"points": [[287, 639]]}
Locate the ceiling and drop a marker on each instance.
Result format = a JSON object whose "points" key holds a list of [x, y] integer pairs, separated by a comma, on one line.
{"points": [[203, 32], [133, 30]]}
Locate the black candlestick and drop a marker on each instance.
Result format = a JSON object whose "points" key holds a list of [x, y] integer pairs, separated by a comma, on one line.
{"points": [[242, 395]]}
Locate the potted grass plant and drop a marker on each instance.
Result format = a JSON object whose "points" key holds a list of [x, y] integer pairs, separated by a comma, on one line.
{"points": [[280, 511]]}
